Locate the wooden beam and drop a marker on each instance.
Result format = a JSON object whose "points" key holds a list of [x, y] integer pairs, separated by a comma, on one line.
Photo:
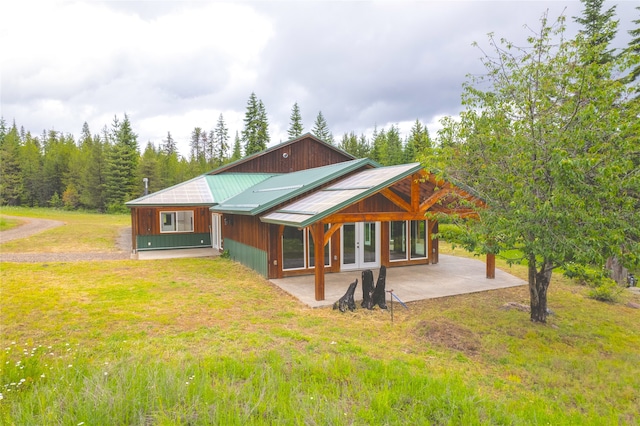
{"points": [[373, 217], [415, 192], [434, 198], [332, 230], [318, 254], [396, 199], [491, 265]]}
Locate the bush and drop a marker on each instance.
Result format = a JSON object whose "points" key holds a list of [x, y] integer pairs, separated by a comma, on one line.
{"points": [[586, 275], [608, 291]]}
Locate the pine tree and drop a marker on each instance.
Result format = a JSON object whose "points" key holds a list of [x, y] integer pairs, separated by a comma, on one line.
{"points": [[295, 125], [634, 49], [221, 136], [92, 194], [255, 135], [31, 165], [321, 129], [599, 29], [149, 168], [122, 166], [418, 142], [237, 149], [169, 146], [10, 170]]}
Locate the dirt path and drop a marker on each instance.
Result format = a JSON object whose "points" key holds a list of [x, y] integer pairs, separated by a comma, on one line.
{"points": [[33, 226], [30, 227]]}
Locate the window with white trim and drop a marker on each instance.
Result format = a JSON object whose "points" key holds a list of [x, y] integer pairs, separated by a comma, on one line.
{"points": [[177, 221]]}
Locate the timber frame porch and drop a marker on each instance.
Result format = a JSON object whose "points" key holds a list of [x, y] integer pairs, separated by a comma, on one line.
{"points": [[413, 193]]}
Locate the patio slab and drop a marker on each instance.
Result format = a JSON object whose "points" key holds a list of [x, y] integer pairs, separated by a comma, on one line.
{"points": [[451, 276]]}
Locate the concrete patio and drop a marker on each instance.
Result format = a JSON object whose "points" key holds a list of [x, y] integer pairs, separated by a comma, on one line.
{"points": [[452, 275]]}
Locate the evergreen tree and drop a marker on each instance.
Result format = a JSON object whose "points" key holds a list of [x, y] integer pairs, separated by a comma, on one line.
{"points": [[149, 168], [31, 165], [10, 170], [394, 150], [122, 166], [169, 145], [263, 132], [634, 50], [379, 146], [418, 142], [221, 136], [237, 149], [349, 143], [55, 167], [321, 129], [255, 134], [198, 146], [295, 125], [92, 193], [599, 29]]}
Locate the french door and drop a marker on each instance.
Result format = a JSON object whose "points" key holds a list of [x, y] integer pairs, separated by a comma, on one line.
{"points": [[360, 245]]}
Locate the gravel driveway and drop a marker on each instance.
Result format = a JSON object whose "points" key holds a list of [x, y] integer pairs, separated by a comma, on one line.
{"points": [[33, 226]]}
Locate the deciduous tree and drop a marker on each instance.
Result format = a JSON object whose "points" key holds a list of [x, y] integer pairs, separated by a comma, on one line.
{"points": [[549, 141]]}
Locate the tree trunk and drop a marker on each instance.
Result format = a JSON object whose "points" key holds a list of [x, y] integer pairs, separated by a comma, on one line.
{"points": [[618, 272], [538, 285]]}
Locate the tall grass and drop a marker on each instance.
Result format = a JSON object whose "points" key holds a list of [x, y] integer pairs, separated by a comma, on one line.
{"points": [[207, 341]]}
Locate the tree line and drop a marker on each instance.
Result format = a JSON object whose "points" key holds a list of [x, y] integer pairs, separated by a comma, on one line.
{"points": [[102, 171]]}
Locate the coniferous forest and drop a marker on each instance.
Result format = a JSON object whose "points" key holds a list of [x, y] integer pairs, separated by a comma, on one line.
{"points": [[101, 171]]}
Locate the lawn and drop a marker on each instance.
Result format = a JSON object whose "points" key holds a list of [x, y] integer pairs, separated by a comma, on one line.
{"points": [[207, 341]]}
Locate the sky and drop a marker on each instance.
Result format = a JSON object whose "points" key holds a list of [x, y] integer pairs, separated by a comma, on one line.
{"points": [[172, 66]]}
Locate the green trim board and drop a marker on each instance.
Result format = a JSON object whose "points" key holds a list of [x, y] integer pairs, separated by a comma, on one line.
{"points": [[172, 241], [279, 189], [350, 190], [250, 257]]}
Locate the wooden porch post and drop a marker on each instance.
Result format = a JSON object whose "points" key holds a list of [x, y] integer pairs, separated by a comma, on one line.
{"points": [[318, 255], [491, 265]]}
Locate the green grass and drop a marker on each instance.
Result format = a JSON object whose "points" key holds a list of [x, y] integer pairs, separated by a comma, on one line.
{"points": [[6, 223], [81, 232], [206, 341]]}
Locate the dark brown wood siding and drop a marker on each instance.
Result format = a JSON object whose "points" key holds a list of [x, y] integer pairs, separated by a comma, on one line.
{"points": [[146, 220], [304, 154], [247, 230]]}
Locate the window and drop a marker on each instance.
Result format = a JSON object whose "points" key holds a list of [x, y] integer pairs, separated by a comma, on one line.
{"points": [[180, 221], [293, 244], [327, 250], [397, 240], [416, 240]]}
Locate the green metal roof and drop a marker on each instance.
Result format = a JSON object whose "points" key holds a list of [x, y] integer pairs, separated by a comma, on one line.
{"points": [[281, 188], [201, 190], [339, 195], [227, 185]]}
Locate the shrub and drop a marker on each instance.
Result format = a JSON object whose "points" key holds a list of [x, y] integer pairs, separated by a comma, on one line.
{"points": [[608, 291]]}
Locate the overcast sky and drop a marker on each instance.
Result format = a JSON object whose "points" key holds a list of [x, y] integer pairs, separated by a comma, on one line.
{"points": [[175, 65]]}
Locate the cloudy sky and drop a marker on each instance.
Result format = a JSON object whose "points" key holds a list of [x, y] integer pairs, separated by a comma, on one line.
{"points": [[175, 65]]}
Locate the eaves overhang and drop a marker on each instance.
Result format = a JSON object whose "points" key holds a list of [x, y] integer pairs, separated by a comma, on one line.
{"points": [[343, 193]]}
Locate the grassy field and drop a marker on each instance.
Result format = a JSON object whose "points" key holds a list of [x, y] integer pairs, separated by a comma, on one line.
{"points": [[207, 341], [82, 231]]}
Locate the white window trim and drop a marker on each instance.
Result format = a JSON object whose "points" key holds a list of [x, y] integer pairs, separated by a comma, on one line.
{"points": [[407, 243], [175, 219], [304, 250]]}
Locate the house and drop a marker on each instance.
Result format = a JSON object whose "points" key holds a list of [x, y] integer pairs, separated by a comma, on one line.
{"points": [[302, 207]]}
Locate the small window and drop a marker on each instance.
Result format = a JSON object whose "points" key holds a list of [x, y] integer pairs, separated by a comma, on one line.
{"points": [[397, 241], [293, 248], [311, 253], [179, 221]]}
